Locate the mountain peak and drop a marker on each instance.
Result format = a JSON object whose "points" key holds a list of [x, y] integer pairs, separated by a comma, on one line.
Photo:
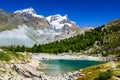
{"points": [[56, 17], [28, 11], [58, 21]]}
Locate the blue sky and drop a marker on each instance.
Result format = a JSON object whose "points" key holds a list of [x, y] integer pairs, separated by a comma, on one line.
{"points": [[83, 12]]}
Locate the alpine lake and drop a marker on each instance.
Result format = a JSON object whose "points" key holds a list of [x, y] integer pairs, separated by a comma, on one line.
{"points": [[64, 66]]}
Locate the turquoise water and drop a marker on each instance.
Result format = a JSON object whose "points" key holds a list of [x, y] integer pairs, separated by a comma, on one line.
{"points": [[65, 66]]}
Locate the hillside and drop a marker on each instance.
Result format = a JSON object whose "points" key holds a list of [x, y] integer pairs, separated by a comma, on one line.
{"points": [[73, 44], [111, 39], [103, 41], [107, 71], [109, 47]]}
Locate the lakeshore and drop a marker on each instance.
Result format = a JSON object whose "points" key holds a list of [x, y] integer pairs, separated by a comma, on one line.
{"points": [[67, 56]]}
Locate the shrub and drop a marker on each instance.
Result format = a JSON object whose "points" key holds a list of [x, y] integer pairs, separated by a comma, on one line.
{"points": [[8, 55], [104, 75]]}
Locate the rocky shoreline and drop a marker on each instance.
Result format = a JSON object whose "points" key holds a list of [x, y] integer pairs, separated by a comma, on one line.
{"points": [[29, 71], [45, 56], [32, 74]]}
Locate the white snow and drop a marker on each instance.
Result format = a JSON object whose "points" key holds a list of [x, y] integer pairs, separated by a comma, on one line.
{"points": [[28, 11], [68, 24], [57, 25], [40, 16], [55, 21]]}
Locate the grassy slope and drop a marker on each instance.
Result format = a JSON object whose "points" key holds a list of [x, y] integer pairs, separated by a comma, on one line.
{"points": [[111, 39], [107, 71], [8, 55], [110, 46]]}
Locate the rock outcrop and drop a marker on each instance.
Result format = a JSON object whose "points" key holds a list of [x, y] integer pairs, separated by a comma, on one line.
{"points": [[31, 73]]}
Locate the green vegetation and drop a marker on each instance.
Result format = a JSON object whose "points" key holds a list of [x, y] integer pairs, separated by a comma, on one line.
{"points": [[74, 44], [8, 55], [104, 75], [107, 71], [111, 41]]}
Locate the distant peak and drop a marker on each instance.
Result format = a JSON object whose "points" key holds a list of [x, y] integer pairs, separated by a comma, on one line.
{"points": [[58, 21], [57, 17], [28, 11]]}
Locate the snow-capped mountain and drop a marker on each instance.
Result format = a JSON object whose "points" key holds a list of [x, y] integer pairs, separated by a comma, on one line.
{"points": [[25, 27], [58, 21], [28, 11]]}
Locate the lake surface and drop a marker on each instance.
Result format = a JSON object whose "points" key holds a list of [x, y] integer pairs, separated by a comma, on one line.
{"points": [[65, 66]]}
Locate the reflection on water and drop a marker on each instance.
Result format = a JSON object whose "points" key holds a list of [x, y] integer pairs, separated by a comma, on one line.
{"points": [[65, 66]]}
